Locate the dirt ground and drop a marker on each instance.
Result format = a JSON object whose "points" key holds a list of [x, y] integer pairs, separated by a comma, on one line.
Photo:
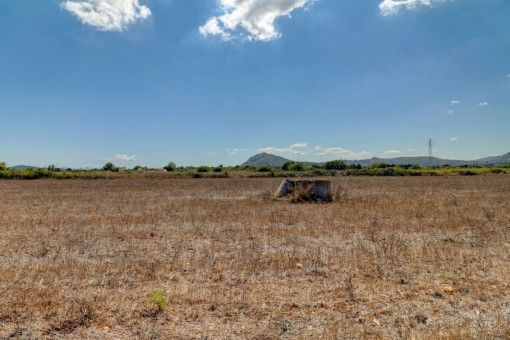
{"points": [[390, 258]]}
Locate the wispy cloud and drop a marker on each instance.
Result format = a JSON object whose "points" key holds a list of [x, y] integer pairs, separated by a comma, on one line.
{"points": [[291, 149], [107, 15], [392, 7], [393, 152], [251, 19], [453, 139], [299, 145], [343, 153], [455, 102], [282, 150], [235, 151], [124, 157], [483, 104], [119, 157], [451, 112]]}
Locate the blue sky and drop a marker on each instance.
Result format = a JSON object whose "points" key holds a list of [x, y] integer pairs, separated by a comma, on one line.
{"points": [[212, 82]]}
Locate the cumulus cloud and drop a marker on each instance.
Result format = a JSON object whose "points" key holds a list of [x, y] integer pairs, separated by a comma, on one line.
{"points": [[453, 139], [256, 18], [344, 153], [455, 102], [392, 152], [392, 7], [291, 149], [483, 104], [107, 15]]}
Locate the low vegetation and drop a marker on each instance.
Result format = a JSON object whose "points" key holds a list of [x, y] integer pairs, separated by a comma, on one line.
{"points": [[180, 258], [289, 169]]}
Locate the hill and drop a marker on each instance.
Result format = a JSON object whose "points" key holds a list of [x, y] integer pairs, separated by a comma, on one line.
{"points": [[22, 167], [277, 161], [266, 159]]}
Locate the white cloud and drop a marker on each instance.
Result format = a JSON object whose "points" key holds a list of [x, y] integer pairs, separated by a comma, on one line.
{"points": [[124, 157], [392, 7], [282, 150], [299, 145], [508, 75], [291, 149], [343, 153], [256, 17], [454, 139], [451, 112], [411, 150], [455, 102], [107, 15], [235, 151], [483, 104], [393, 152]]}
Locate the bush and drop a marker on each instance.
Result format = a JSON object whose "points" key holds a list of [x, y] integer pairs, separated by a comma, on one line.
{"points": [[218, 169], [335, 165], [378, 166], [296, 167], [170, 166], [203, 168], [497, 171], [109, 167], [286, 165], [265, 168], [3, 166]]}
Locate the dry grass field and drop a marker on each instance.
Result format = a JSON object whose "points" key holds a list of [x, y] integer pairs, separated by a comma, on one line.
{"points": [[390, 258]]}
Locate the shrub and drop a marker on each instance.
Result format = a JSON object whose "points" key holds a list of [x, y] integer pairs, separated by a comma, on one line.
{"points": [[109, 167], [415, 167], [286, 165], [296, 167], [379, 166], [497, 171], [170, 166], [218, 169], [335, 165], [195, 175], [265, 168], [160, 298], [3, 166], [203, 168]]}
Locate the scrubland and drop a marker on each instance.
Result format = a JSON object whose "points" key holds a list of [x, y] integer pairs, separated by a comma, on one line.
{"points": [[389, 258]]}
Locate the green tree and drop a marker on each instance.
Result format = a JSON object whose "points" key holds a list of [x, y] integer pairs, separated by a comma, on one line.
{"points": [[335, 165], [109, 167], [286, 165], [3, 166], [296, 167], [170, 166]]}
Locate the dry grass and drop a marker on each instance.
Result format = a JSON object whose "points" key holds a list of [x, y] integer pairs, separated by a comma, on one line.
{"points": [[411, 257]]}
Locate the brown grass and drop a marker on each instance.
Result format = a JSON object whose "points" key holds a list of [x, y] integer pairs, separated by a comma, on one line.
{"points": [[390, 258]]}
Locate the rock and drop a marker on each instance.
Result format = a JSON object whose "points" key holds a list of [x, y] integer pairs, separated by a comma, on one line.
{"points": [[305, 190]]}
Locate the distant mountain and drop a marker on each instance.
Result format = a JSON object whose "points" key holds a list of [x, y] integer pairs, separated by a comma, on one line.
{"points": [[23, 167], [277, 161], [266, 159]]}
